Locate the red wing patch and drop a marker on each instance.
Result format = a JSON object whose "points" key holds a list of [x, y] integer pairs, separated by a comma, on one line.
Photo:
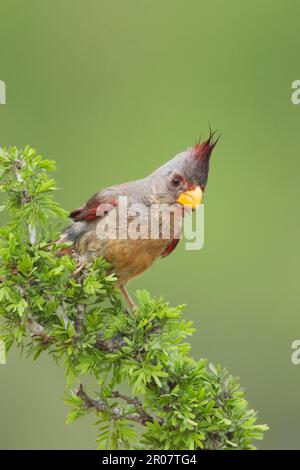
{"points": [[92, 210], [171, 247]]}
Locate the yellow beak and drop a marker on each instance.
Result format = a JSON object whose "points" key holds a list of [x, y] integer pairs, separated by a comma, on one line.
{"points": [[191, 198]]}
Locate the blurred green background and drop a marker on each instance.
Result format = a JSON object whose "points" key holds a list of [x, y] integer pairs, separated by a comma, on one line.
{"points": [[111, 90]]}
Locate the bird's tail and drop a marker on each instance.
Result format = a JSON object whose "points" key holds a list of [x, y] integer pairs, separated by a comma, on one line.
{"points": [[73, 232]]}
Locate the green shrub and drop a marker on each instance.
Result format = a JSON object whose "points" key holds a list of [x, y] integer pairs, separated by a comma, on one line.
{"points": [[174, 402]]}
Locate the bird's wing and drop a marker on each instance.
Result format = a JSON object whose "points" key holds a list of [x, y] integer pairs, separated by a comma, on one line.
{"points": [[97, 206], [171, 247]]}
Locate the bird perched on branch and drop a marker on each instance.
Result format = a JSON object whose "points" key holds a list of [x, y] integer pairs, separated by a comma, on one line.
{"points": [[117, 222]]}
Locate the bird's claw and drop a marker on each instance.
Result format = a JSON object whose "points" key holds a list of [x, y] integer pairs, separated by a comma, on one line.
{"points": [[80, 266]]}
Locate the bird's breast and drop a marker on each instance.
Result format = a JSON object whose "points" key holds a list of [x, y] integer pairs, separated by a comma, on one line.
{"points": [[130, 244]]}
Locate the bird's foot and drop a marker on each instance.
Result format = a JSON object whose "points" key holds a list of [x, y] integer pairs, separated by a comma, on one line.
{"points": [[128, 298], [80, 266]]}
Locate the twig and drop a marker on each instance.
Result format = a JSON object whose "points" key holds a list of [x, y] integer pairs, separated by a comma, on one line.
{"points": [[78, 322], [36, 329], [140, 416], [90, 402], [109, 345], [32, 234], [144, 416], [26, 200]]}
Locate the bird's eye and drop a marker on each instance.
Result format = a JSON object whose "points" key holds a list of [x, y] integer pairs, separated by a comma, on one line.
{"points": [[176, 181]]}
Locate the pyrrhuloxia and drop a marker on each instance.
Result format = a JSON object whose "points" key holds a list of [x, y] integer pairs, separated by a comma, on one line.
{"points": [[178, 183]]}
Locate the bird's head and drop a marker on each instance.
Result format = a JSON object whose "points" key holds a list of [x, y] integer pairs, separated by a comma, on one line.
{"points": [[184, 178]]}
